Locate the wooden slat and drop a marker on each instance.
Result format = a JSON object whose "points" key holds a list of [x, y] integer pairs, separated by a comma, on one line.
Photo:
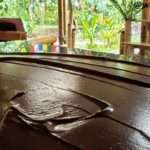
{"points": [[136, 45], [12, 35], [130, 47]]}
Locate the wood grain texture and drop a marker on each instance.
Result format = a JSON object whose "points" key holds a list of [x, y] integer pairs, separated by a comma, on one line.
{"points": [[119, 131]]}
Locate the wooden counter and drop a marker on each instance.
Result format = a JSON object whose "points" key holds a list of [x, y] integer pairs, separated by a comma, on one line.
{"points": [[126, 86]]}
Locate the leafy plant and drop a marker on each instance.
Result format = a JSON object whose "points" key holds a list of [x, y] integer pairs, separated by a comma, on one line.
{"points": [[90, 26], [98, 20], [127, 8], [32, 12], [109, 32]]}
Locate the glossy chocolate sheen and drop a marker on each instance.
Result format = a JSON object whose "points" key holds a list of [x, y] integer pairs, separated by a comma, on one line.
{"points": [[125, 86]]}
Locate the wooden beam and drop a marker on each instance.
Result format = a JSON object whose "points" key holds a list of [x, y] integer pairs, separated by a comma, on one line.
{"points": [[145, 29], [127, 35], [69, 24], [71, 27], [64, 17], [127, 30], [61, 20], [122, 41]]}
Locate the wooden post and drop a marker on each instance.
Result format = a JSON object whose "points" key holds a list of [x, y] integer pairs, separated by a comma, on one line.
{"points": [[121, 43], [145, 28], [66, 26], [145, 16], [64, 18], [73, 37], [61, 34], [69, 26], [61, 16], [127, 30], [127, 35]]}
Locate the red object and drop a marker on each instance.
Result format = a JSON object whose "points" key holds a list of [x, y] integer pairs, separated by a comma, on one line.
{"points": [[31, 49], [53, 48], [16, 22], [12, 29]]}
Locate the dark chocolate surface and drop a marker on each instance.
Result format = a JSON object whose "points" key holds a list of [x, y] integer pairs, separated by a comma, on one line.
{"points": [[50, 81]]}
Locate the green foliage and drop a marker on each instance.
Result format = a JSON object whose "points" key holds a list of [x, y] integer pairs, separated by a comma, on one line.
{"points": [[97, 24], [127, 8], [14, 47], [98, 21], [89, 24], [32, 12]]}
